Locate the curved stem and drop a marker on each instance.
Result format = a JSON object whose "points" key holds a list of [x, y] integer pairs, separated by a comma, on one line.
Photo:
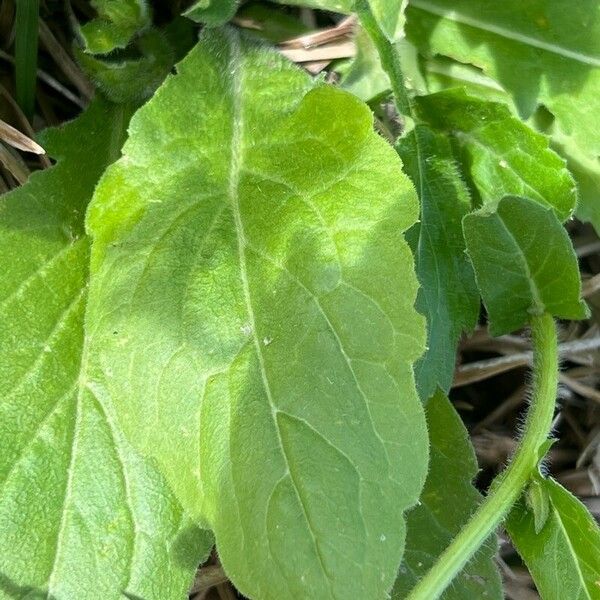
{"points": [[509, 485]]}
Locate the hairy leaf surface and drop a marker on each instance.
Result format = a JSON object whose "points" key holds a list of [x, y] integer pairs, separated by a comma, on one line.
{"points": [[448, 296], [81, 515], [117, 22], [564, 557], [543, 53], [524, 263], [447, 502], [252, 319], [502, 155]]}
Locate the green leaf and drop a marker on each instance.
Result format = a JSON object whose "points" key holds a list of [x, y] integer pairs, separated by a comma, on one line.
{"points": [[364, 77], [212, 12], [502, 155], [586, 171], [131, 79], [81, 514], [340, 6], [542, 52], [442, 73], [524, 263], [118, 21], [253, 295], [538, 502], [448, 296], [447, 502], [564, 557]]}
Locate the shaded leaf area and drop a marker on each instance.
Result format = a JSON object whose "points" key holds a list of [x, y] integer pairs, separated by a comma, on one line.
{"points": [[501, 154], [564, 555], [134, 76], [542, 53], [212, 12], [81, 514], [448, 296], [447, 502], [524, 263], [252, 293], [116, 23]]}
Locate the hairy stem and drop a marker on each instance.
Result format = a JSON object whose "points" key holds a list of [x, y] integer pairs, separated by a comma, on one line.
{"points": [[390, 60], [509, 485]]}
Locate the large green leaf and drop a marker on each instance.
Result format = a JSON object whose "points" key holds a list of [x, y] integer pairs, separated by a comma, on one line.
{"points": [[252, 319], [543, 52], [524, 263], [447, 502], [502, 155], [81, 515], [564, 557], [448, 296], [117, 22]]}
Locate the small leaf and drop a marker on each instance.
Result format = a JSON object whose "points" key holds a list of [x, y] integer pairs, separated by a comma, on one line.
{"points": [[212, 12], [543, 53], [538, 502], [564, 556], [118, 21], [252, 293], [81, 514], [131, 79], [502, 155], [448, 500], [448, 296], [524, 263]]}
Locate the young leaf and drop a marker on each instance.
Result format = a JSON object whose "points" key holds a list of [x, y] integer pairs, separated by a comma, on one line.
{"points": [[447, 501], [252, 293], [116, 24], [564, 557], [81, 515], [524, 263], [212, 12], [133, 78], [546, 54], [448, 296], [502, 155]]}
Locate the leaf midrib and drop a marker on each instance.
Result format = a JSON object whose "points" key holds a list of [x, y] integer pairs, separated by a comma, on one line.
{"points": [[515, 36], [237, 153]]}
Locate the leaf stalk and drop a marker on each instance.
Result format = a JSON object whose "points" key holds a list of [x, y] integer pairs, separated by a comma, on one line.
{"points": [[508, 486]]}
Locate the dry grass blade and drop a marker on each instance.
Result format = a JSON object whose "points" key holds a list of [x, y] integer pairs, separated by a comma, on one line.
{"points": [[484, 369], [18, 140], [14, 164], [327, 52], [325, 36], [66, 64]]}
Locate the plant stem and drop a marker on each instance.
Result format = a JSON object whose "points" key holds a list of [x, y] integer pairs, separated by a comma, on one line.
{"points": [[390, 60], [508, 486]]}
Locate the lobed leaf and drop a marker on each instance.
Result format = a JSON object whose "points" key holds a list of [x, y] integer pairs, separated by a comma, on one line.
{"points": [[524, 263], [502, 155], [448, 296], [447, 502], [252, 319], [564, 556], [542, 53], [81, 514]]}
